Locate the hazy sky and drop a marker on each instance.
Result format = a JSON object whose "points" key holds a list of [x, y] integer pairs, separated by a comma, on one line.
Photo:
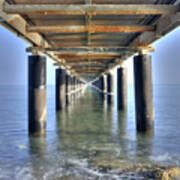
{"points": [[13, 60]]}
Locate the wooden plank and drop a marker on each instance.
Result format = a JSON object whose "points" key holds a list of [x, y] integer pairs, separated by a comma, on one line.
{"points": [[17, 25], [91, 9], [77, 53], [86, 57], [163, 26], [123, 1], [86, 62], [87, 54], [82, 37], [81, 1], [90, 29], [89, 71], [48, 1], [90, 50], [87, 67]]}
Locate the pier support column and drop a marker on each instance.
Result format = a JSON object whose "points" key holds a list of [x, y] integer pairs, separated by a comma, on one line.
{"points": [[73, 88], [60, 89], [101, 84], [143, 93], [104, 83], [75, 84], [37, 95], [110, 87], [68, 89], [122, 88]]}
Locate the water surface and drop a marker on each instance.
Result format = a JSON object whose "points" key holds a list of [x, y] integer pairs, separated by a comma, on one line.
{"points": [[88, 131]]}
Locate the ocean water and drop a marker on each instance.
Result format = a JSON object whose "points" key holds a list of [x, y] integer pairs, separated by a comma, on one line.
{"points": [[86, 133]]}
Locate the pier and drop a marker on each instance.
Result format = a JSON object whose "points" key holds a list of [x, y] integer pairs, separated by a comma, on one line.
{"points": [[87, 40]]}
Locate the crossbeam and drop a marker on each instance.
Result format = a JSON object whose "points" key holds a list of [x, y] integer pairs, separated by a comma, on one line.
{"points": [[90, 29], [132, 9], [110, 57], [87, 67], [89, 71], [90, 49], [86, 62], [78, 52]]}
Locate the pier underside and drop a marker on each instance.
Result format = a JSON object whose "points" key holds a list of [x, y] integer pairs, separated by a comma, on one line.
{"points": [[89, 37]]}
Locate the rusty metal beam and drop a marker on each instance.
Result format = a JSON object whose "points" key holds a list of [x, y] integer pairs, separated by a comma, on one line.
{"points": [[91, 9], [90, 29]]}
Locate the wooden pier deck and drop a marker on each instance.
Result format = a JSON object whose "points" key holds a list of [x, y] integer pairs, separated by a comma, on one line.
{"points": [[89, 37]]}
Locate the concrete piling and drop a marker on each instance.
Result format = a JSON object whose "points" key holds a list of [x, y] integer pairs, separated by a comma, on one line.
{"points": [[71, 89], [110, 88], [122, 88], [68, 89], [37, 95], [101, 83], [60, 89], [143, 93], [102, 86]]}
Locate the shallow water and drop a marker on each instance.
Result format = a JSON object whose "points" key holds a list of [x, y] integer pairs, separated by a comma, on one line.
{"points": [[87, 131]]}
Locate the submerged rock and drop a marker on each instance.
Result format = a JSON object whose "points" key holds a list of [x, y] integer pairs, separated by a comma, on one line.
{"points": [[145, 171]]}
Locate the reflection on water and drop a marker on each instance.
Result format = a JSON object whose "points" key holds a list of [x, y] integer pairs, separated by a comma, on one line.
{"points": [[89, 135]]}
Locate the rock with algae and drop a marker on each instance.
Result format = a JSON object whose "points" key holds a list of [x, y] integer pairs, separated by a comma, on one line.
{"points": [[147, 171]]}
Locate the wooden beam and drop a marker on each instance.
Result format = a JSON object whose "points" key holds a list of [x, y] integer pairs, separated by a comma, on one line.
{"points": [[123, 1], [87, 54], [90, 29], [87, 67], [103, 65], [86, 62], [89, 71], [91, 9], [163, 26], [76, 37], [87, 57], [89, 49]]}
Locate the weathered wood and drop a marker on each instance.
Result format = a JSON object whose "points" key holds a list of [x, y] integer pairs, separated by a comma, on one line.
{"points": [[101, 16], [163, 26], [102, 65], [86, 67], [89, 71], [123, 1], [17, 25], [90, 29], [79, 37], [87, 57], [89, 49], [81, 1], [86, 53], [86, 62], [91, 9]]}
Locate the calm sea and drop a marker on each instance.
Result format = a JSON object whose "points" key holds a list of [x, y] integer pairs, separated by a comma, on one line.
{"points": [[88, 129]]}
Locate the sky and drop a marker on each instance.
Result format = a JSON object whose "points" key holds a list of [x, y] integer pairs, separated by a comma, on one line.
{"points": [[13, 60]]}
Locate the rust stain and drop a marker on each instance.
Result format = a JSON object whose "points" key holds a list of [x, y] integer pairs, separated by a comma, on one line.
{"points": [[90, 28]]}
